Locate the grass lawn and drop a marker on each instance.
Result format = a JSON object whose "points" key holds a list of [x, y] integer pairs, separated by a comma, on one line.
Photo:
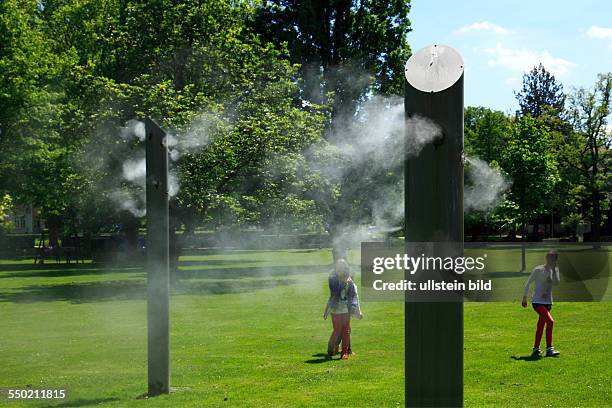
{"points": [[247, 331]]}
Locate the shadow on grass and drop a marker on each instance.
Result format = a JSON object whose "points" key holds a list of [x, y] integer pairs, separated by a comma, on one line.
{"points": [[236, 273], [64, 270], [218, 262], [50, 265], [54, 270], [81, 402], [68, 270], [322, 358], [130, 290], [222, 288], [232, 251], [531, 357]]}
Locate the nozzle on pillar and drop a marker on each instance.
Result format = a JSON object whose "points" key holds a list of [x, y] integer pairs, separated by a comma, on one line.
{"points": [[433, 69]]}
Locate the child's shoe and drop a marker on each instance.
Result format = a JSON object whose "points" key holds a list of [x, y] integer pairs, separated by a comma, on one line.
{"points": [[551, 352], [536, 352], [345, 357]]}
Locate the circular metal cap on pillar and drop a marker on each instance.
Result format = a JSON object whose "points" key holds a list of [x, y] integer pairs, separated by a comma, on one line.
{"points": [[434, 68]]}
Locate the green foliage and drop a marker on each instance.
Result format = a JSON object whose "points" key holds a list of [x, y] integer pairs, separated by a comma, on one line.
{"points": [[345, 48], [6, 204], [540, 93], [73, 72], [36, 161], [486, 132], [530, 163], [585, 150]]}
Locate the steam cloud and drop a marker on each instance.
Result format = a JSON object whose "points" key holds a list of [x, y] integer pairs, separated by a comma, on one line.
{"points": [[374, 144], [130, 195], [485, 186], [133, 128], [374, 141]]}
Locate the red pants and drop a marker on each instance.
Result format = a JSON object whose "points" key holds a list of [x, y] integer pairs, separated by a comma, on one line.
{"points": [[342, 329], [545, 319]]}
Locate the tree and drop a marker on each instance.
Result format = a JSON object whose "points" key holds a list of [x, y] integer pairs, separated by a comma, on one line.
{"points": [[205, 77], [530, 163], [540, 92], [347, 52], [486, 132], [587, 148], [35, 162], [543, 98], [345, 48], [73, 72]]}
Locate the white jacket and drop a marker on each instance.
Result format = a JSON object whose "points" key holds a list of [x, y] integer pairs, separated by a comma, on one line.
{"points": [[544, 279]]}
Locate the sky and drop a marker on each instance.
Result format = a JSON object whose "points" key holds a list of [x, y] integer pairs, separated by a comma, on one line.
{"points": [[500, 40]]}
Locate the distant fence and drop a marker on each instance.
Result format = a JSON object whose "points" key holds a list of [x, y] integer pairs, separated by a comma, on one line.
{"points": [[17, 245]]}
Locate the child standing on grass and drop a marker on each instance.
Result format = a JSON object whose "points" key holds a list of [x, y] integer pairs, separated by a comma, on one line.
{"points": [[544, 277], [342, 303]]}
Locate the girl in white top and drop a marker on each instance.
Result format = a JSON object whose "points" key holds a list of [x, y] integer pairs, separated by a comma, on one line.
{"points": [[544, 277]]}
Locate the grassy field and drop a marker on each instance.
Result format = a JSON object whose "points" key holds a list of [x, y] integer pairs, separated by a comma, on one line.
{"points": [[247, 331]]}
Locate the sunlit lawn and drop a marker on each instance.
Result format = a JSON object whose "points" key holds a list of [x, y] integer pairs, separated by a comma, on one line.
{"points": [[247, 331]]}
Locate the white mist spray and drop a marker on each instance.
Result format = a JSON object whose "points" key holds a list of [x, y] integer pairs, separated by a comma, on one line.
{"points": [[485, 186], [373, 145], [195, 137]]}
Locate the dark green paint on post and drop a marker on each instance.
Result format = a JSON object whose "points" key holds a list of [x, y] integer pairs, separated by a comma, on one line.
{"points": [[434, 213], [157, 266]]}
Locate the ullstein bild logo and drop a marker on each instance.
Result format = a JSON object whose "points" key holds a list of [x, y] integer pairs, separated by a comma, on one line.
{"points": [[479, 271], [413, 264]]}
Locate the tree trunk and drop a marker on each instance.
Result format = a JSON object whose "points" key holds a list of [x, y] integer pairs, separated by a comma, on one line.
{"points": [[54, 225], [523, 248], [596, 222]]}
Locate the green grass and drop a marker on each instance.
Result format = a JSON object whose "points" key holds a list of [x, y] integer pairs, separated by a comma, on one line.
{"points": [[247, 331]]}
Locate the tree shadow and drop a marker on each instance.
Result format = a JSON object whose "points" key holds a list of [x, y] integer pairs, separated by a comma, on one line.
{"points": [[84, 292], [218, 262], [531, 357], [87, 292], [64, 270], [253, 272], [80, 402], [51, 265], [226, 251], [222, 288], [215, 281], [69, 270]]}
